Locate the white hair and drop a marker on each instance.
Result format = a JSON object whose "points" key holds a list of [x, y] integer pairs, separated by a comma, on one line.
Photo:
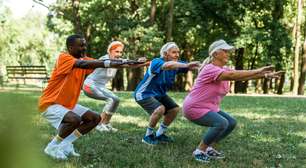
{"points": [[213, 48], [166, 47], [207, 60], [114, 43]]}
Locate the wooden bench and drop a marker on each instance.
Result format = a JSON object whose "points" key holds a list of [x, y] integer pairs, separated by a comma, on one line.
{"points": [[27, 72]]}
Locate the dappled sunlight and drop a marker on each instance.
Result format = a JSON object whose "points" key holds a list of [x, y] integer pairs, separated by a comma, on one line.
{"points": [[38, 120], [259, 109], [301, 134], [70, 165], [128, 104], [303, 146], [256, 116], [265, 139], [267, 130], [139, 121]]}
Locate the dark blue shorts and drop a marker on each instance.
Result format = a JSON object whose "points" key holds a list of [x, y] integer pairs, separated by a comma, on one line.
{"points": [[151, 103]]}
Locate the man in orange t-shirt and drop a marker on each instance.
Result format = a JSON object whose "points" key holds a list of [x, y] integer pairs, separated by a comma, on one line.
{"points": [[59, 100]]}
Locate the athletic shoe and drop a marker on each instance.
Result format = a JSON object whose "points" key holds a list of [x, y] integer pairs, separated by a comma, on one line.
{"points": [[201, 157], [106, 128], [69, 150], [164, 138], [214, 154], [55, 151], [150, 140]]}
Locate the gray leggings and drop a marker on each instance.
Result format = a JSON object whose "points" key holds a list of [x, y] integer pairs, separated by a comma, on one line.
{"points": [[221, 124], [112, 101]]}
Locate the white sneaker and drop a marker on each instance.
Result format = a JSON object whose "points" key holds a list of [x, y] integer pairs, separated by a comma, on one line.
{"points": [[69, 150], [106, 128], [55, 151]]}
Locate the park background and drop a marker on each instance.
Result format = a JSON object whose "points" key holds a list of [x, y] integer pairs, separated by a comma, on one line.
{"points": [[270, 113]]}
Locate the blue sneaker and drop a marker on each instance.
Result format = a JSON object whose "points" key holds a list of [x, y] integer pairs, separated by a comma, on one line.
{"points": [[164, 138], [201, 157], [150, 140]]}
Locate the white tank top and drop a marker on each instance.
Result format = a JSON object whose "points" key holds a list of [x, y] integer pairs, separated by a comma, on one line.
{"points": [[100, 76]]}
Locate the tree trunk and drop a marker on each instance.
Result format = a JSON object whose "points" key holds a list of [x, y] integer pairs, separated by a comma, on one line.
{"points": [[258, 85], [265, 85], [303, 71], [189, 81], [170, 21], [134, 77], [179, 83], [280, 84], [274, 48], [240, 86], [270, 84], [79, 27], [297, 48], [77, 18], [153, 11], [87, 36], [189, 75], [117, 82]]}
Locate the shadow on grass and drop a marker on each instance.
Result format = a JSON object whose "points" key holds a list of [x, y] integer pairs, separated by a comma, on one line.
{"points": [[270, 133]]}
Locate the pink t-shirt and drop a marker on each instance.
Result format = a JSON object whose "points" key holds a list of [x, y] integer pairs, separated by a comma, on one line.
{"points": [[207, 93]]}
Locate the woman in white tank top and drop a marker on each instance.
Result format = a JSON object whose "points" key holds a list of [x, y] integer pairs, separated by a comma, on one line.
{"points": [[94, 85]]}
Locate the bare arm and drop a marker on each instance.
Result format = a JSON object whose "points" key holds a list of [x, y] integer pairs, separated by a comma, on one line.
{"points": [[265, 75], [240, 75], [175, 65], [171, 65], [257, 76]]}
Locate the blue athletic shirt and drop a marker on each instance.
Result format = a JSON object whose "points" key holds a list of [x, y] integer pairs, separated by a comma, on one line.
{"points": [[156, 81]]}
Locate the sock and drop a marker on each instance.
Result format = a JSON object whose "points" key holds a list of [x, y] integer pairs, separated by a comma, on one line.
{"points": [[72, 137], [198, 151], [56, 140], [162, 129], [149, 131], [209, 148]]}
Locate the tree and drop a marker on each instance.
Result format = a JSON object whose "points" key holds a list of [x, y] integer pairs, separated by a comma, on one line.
{"points": [[297, 47], [303, 71], [153, 11], [24, 41], [259, 28], [169, 22]]}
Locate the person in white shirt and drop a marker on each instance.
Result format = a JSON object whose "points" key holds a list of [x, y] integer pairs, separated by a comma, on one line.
{"points": [[94, 85]]}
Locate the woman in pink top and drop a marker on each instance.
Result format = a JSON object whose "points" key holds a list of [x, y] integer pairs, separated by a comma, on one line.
{"points": [[201, 106]]}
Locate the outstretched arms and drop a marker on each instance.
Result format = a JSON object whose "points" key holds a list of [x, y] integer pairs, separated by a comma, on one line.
{"points": [[240, 75], [109, 63], [92, 64]]}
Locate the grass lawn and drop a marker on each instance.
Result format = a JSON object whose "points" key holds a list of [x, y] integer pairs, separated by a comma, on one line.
{"points": [[271, 132]]}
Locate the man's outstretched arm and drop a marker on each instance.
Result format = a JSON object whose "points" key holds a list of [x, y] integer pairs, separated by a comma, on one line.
{"points": [[92, 64]]}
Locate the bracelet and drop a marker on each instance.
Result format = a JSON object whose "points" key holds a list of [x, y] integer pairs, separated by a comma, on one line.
{"points": [[124, 60], [107, 63]]}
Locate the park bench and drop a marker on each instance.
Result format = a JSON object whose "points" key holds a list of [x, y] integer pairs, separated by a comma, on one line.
{"points": [[27, 73]]}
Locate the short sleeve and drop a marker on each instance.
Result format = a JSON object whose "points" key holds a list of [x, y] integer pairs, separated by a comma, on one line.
{"points": [[65, 63], [210, 73], [156, 65]]}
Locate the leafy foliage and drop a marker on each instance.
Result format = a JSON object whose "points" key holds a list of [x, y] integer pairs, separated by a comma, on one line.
{"points": [[25, 40]]}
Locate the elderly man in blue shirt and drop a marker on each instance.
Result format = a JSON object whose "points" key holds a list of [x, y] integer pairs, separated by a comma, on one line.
{"points": [[151, 92]]}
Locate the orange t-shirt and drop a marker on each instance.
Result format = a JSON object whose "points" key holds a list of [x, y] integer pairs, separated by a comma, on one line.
{"points": [[65, 84]]}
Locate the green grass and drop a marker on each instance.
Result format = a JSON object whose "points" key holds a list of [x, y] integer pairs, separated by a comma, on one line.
{"points": [[271, 132]]}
